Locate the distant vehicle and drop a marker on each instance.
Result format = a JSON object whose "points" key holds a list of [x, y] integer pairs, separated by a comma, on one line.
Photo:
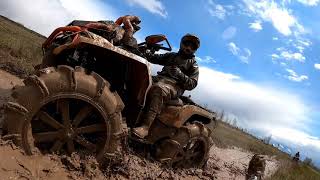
{"points": [[296, 157]]}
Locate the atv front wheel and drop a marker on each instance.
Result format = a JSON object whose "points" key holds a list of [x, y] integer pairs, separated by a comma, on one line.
{"points": [[66, 122], [65, 110]]}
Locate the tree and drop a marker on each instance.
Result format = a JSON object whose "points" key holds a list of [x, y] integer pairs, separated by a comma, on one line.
{"points": [[221, 115], [234, 122], [205, 105], [267, 139], [308, 161]]}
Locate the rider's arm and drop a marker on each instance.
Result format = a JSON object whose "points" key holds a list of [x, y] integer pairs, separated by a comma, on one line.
{"points": [[127, 23], [190, 81], [161, 59]]}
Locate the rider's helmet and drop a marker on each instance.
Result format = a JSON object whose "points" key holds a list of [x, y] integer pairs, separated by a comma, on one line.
{"points": [[135, 23], [189, 44]]}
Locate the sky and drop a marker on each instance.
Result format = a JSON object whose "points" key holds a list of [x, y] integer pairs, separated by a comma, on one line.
{"points": [[259, 60]]}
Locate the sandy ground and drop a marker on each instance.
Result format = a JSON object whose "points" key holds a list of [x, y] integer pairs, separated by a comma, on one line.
{"points": [[223, 163]]}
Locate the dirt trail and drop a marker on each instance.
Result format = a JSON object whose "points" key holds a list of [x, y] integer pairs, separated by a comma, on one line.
{"points": [[222, 164]]}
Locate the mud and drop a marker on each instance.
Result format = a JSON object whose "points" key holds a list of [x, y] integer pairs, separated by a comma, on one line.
{"points": [[7, 57], [233, 163], [14, 164], [7, 81]]}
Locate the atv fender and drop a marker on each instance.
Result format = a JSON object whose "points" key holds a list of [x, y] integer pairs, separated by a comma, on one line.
{"points": [[177, 116]]}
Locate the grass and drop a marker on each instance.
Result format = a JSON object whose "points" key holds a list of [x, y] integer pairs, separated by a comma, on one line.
{"points": [[228, 136], [19, 45], [21, 48], [295, 171]]}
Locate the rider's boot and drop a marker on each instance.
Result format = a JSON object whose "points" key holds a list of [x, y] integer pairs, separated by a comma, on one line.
{"points": [[143, 130]]}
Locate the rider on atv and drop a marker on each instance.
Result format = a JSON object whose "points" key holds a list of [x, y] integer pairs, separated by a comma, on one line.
{"points": [[113, 31], [180, 73]]}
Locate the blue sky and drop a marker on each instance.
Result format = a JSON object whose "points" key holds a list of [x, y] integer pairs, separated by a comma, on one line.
{"points": [[259, 60]]}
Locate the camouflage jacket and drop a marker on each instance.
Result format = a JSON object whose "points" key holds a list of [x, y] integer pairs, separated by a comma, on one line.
{"points": [[187, 65]]}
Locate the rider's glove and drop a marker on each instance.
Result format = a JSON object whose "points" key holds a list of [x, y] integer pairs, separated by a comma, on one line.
{"points": [[176, 73]]}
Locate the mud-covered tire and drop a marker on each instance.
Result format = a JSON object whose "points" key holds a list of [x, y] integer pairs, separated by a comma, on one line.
{"points": [[62, 84], [176, 150]]}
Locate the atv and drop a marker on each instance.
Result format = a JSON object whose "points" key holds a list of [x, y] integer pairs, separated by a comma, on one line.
{"points": [[88, 93]]}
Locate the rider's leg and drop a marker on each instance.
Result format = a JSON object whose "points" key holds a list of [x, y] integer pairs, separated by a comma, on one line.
{"points": [[158, 94], [149, 117]]}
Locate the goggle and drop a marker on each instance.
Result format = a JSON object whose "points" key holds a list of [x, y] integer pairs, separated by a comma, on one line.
{"points": [[190, 44], [136, 27]]}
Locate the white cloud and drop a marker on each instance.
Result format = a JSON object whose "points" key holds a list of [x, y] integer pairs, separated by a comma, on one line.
{"points": [[317, 66], [280, 49], [275, 38], [299, 141], [293, 76], [233, 48], [242, 54], [245, 55], [300, 48], [280, 17], [229, 33], [283, 64], [300, 44], [256, 26], [217, 10], [206, 59], [309, 2], [250, 102], [292, 56], [153, 6], [264, 109], [304, 42], [287, 55], [297, 137], [275, 56], [44, 16]]}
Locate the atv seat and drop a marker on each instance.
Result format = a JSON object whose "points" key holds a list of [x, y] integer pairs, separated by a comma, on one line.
{"points": [[175, 102]]}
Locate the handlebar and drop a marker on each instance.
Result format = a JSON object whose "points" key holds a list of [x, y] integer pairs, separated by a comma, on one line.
{"points": [[155, 46]]}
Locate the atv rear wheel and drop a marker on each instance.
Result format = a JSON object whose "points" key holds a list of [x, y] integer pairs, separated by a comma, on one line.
{"points": [[65, 110], [189, 147]]}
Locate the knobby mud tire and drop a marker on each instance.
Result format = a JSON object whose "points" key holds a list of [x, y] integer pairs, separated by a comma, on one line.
{"points": [[58, 84], [174, 150]]}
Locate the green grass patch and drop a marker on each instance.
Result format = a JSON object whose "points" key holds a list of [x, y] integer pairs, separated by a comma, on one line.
{"points": [[19, 45]]}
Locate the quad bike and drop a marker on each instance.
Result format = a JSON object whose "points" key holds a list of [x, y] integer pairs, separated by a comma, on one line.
{"points": [[88, 93]]}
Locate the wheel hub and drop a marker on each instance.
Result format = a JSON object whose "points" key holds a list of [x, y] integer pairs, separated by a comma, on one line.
{"points": [[67, 121], [69, 133]]}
